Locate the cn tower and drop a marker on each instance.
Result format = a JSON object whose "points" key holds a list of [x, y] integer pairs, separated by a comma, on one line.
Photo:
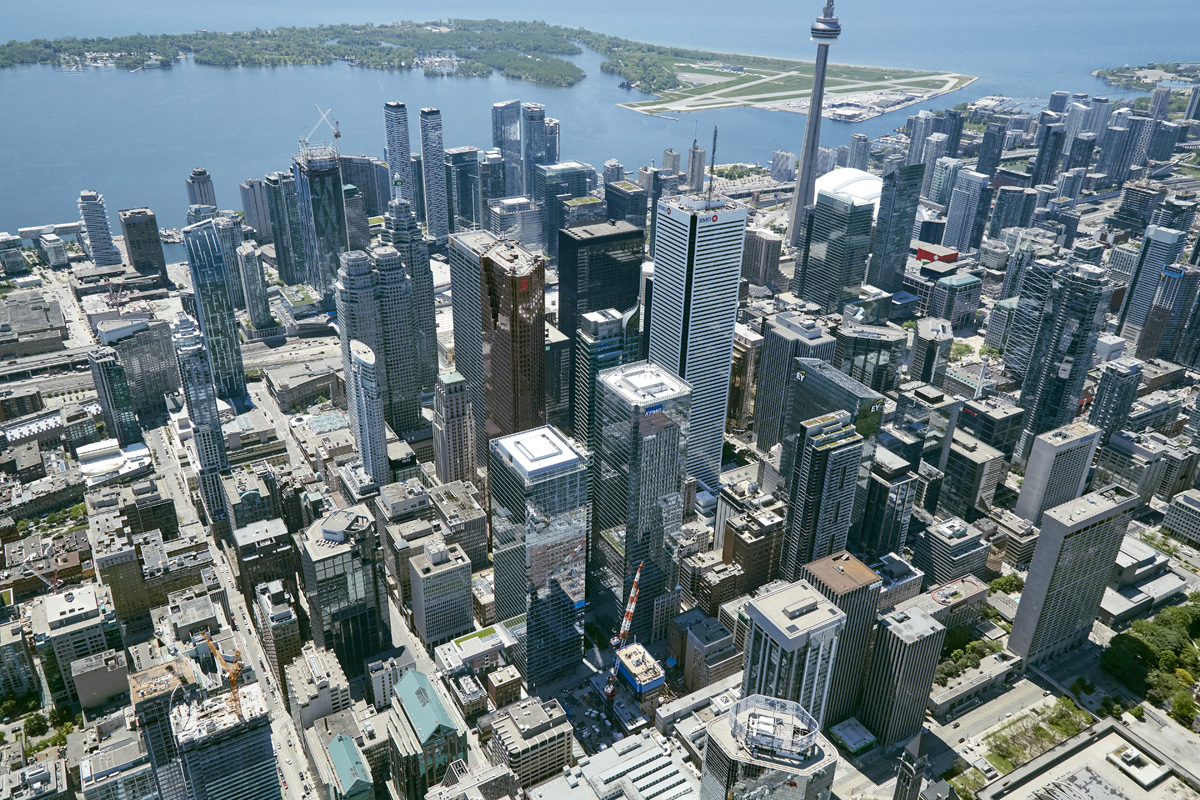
{"points": [[825, 31]]}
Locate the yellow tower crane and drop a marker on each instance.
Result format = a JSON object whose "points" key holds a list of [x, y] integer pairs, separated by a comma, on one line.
{"points": [[232, 670]]}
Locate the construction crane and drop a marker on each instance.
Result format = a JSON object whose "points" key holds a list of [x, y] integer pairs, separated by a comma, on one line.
{"points": [[619, 640], [47, 551], [233, 671], [52, 585], [325, 118]]}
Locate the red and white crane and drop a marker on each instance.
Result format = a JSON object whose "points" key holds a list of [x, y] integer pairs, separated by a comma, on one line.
{"points": [[619, 640]]}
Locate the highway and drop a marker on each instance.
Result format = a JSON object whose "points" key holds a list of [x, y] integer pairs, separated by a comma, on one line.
{"points": [[255, 355]]}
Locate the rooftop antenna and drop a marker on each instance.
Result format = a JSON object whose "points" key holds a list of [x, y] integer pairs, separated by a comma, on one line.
{"points": [[712, 166]]}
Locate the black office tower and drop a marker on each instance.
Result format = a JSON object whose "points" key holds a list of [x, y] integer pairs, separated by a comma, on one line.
{"points": [[898, 202], [991, 149], [1045, 170]]}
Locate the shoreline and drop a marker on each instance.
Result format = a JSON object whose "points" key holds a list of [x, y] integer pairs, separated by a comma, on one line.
{"points": [[826, 113], [401, 46]]}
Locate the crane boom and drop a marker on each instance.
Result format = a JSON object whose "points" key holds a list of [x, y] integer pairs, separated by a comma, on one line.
{"points": [[619, 640], [325, 118], [52, 585], [233, 671]]}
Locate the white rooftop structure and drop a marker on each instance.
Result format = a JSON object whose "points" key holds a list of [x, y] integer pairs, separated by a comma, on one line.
{"points": [[643, 382], [538, 451], [862, 187]]}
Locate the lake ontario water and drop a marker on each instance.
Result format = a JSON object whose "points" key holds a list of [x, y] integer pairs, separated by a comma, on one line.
{"points": [[135, 136]]}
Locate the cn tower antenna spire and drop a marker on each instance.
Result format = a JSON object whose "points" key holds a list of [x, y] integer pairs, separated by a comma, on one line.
{"points": [[825, 31]]}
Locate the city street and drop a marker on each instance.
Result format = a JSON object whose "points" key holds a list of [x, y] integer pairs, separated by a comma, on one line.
{"points": [[403, 637], [869, 776], [290, 758]]}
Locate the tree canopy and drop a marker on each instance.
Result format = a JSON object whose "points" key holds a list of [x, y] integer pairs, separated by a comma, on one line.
{"points": [[1157, 657]]}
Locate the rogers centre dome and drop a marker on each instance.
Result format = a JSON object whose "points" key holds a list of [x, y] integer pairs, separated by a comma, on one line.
{"points": [[854, 183]]}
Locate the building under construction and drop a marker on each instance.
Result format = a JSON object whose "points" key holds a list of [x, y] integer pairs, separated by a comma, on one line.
{"points": [[643, 674], [225, 747], [318, 174]]}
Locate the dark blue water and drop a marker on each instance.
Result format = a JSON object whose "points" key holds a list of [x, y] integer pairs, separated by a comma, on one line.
{"points": [[134, 137]]}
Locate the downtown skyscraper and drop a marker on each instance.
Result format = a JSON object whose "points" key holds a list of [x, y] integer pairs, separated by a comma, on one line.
{"points": [[192, 350], [1057, 469], [254, 207], [513, 312], [96, 233], [1050, 147], [1078, 544], [364, 382], [967, 211], [230, 234], [399, 152], [464, 202], [821, 484], [904, 657], [223, 752], [547, 184], [1174, 300], [115, 395], [860, 152], [786, 337], [376, 306], [322, 214], [143, 244], [537, 145], [506, 137], [854, 588], [599, 266], [1072, 320], [1115, 395], [792, 638], [258, 307], [499, 334], [200, 188], [286, 228], [1161, 247], [539, 488], [343, 579], [697, 270], [833, 263], [214, 306], [433, 167], [991, 149], [401, 231], [898, 201], [641, 430], [604, 339], [453, 430]]}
